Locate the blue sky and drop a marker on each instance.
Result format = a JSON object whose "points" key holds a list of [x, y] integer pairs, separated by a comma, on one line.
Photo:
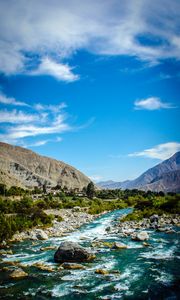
{"points": [[92, 83]]}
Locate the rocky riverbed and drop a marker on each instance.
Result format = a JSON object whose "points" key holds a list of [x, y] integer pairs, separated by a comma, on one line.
{"points": [[72, 219], [131, 260]]}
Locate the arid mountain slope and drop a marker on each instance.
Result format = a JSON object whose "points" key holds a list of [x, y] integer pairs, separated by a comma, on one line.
{"points": [[25, 168], [163, 177]]}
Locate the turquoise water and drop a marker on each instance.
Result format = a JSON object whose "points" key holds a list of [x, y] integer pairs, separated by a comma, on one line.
{"points": [[145, 272]]}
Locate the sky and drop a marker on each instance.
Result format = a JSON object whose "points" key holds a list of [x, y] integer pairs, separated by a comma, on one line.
{"points": [[92, 83]]}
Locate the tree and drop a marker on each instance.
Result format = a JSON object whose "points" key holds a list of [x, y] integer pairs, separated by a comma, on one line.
{"points": [[90, 192]]}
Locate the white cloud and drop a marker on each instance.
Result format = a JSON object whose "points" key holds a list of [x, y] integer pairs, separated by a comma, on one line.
{"points": [[101, 27], [33, 121], [58, 70], [23, 131], [95, 177], [15, 117], [53, 108], [152, 103], [10, 100], [162, 151], [36, 144]]}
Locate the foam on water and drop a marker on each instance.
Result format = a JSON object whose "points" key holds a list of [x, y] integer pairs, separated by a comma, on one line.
{"points": [[138, 265]]}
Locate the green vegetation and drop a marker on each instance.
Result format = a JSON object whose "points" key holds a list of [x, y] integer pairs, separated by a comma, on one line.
{"points": [[90, 192], [145, 208], [28, 209]]}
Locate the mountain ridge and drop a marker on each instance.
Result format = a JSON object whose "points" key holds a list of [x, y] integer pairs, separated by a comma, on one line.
{"points": [[165, 177], [28, 169]]}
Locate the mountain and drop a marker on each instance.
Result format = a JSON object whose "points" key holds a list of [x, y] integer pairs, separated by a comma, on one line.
{"points": [[110, 184], [25, 168], [163, 177]]}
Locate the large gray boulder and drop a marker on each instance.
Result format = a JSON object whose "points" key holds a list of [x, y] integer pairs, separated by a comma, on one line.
{"points": [[140, 236], [71, 252]]}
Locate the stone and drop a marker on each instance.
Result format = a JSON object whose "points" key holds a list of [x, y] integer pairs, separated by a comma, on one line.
{"points": [[154, 218], [146, 244], [18, 273], [48, 248], [101, 272], [72, 266], [117, 246], [108, 229], [43, 267], [140, 236], [40, 234], [72, 252]]}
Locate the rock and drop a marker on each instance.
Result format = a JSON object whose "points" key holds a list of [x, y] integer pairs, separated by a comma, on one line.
{"points": [[108, 229], [161, 229], [107, 244], [102, 272], [174, 221], [140, 236], [43, 267], [154, 218], [117, 245], [48, 248], [154, 225], [146, 244], [170, 231], [72, 266], [115, 272], [71, 252], [40, 234], [18, 273]]}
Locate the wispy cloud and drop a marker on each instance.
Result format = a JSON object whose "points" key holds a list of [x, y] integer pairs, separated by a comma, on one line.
{"points": [[10, 100], [151, 103], [33, 121], [60, 71], [15, 117], [96, 26], [161, 151]]}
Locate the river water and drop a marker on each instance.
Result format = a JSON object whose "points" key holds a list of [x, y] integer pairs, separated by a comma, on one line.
{"points": [[145, 272]]}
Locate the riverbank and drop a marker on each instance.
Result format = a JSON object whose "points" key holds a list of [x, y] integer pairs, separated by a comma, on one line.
{"points": [[70, 220], [139, 230]]}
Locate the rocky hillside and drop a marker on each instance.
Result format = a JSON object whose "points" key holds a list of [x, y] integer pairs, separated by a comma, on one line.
{"points": [[163, 177], [25, 168]]}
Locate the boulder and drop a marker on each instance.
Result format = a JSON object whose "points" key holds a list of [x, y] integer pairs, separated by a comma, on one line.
{"points": [[154, 218], [71, 252], [48, 248], [140, 236], [101, 272], [18, 273], [117, 246], [40, 234], [72, 266], [108, 229], [43, 267]]}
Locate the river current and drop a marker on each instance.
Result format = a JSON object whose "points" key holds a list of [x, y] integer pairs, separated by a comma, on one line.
{"points": [[144, 272]]}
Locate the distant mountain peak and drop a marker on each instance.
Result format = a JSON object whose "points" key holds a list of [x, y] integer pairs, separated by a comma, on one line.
{"points": [[163, 177]]}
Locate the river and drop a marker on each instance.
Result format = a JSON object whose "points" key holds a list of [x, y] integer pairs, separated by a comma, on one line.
{"points": [[145, 272]]}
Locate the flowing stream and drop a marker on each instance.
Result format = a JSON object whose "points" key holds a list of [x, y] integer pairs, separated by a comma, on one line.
{"points": [[144, 272]]}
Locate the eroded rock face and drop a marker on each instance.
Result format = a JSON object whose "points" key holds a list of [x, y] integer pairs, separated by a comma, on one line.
{"points": [[71, 252], [24, 168]]}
